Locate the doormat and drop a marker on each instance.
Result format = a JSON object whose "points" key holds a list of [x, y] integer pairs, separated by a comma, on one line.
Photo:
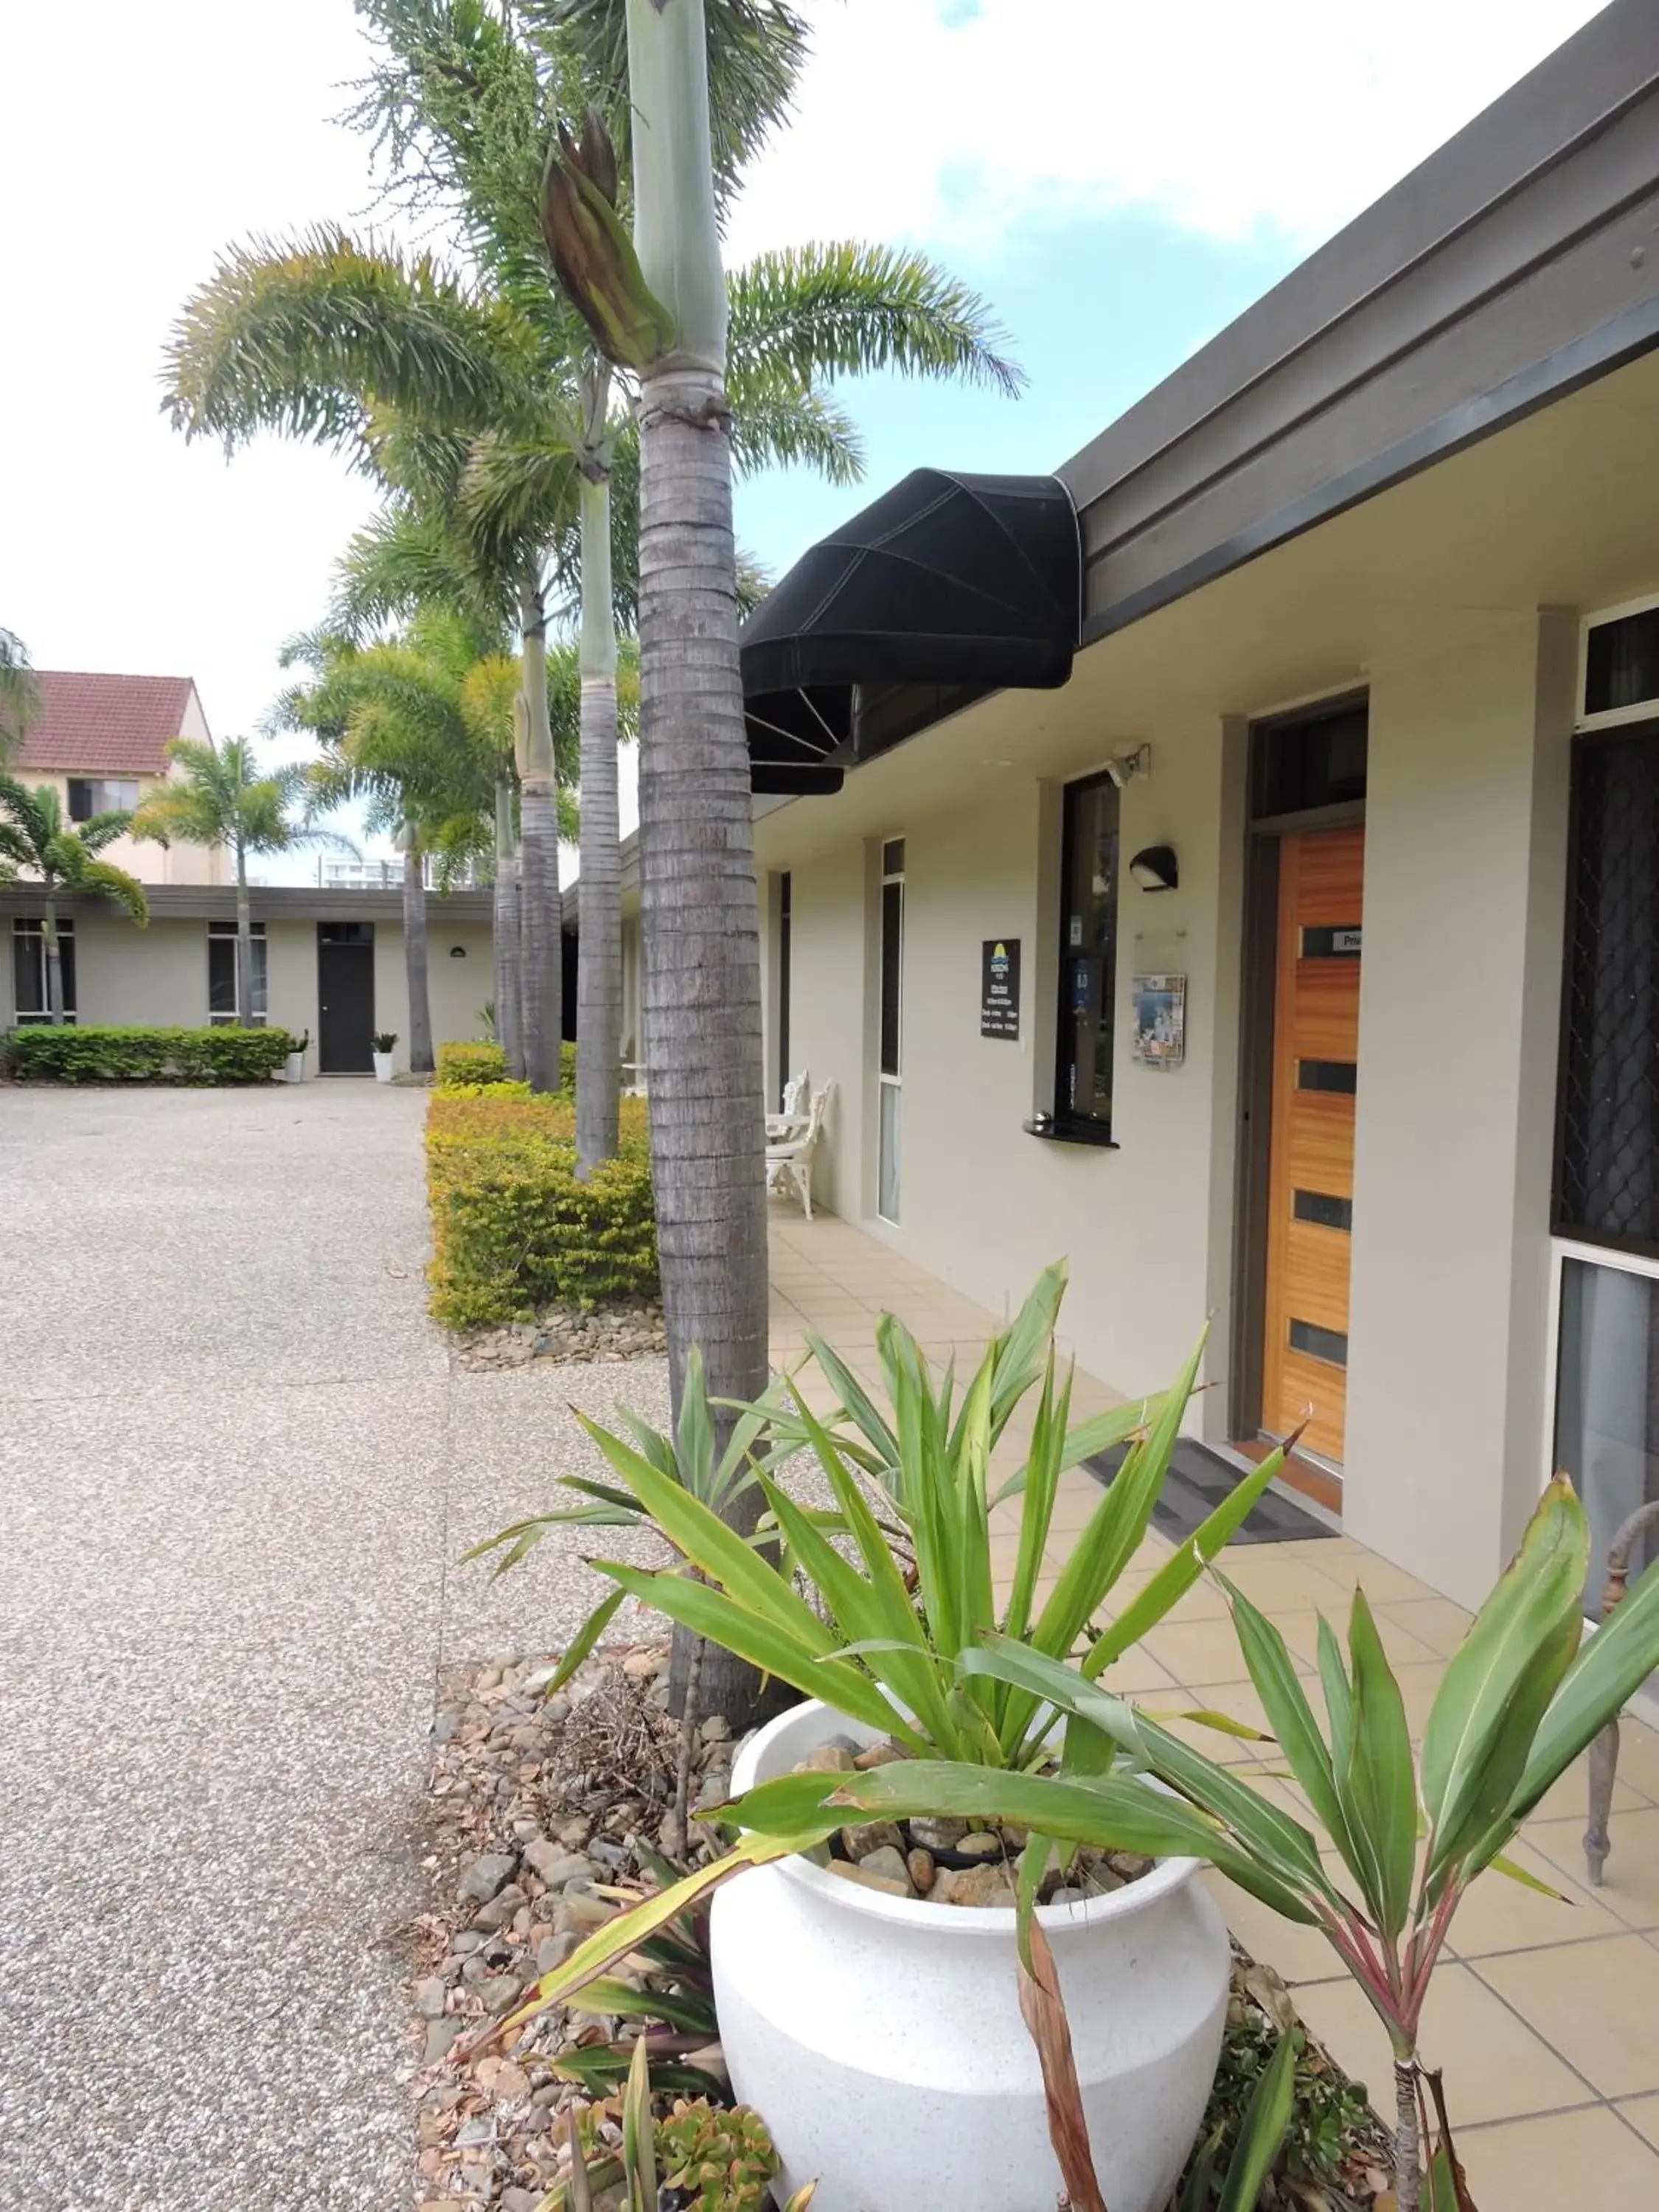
{"points": [[1198, 1481]]}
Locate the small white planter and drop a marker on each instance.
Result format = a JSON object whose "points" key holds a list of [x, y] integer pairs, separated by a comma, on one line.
{"points": [[880, 2038], [293, 1067], [385, 1066]]}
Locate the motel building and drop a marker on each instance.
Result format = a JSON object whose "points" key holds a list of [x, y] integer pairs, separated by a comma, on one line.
{"points": [[1233, 862]]}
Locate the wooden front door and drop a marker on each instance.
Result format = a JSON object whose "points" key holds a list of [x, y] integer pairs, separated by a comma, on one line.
{"points": [[1311, 1171]]}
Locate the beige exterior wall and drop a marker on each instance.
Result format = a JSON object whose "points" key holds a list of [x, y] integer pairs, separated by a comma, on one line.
{"points": [[459, 989], [1465, 836], [152, 863], [984, 1205], [160, 976], [1465, 881]]}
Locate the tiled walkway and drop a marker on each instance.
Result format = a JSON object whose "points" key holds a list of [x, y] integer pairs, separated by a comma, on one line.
{"points": [[1545, 2015]]}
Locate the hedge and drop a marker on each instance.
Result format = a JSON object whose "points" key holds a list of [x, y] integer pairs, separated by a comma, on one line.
{"points": [[513, 1231], [472, 1059], [465, 1059], [44, 1053]]}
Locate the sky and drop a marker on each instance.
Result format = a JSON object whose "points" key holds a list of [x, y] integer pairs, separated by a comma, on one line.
{"points": [[1117, 180]]}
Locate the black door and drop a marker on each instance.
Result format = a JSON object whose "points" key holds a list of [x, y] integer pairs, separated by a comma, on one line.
{"points": [[345, 997]]}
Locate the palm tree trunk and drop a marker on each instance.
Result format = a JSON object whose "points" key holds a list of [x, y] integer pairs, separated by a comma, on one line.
{"points": [[420, 996], [243, 942], [541, 927], [506, 919], [598, 958], [701, 1011], [54, 959]]}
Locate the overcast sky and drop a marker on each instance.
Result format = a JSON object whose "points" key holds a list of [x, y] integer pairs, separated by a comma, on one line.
{"points": [[1119, 180]]}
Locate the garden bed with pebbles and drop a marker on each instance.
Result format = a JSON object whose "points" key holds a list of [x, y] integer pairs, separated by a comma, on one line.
{"points": [[565, 1335], [542, 1814]]}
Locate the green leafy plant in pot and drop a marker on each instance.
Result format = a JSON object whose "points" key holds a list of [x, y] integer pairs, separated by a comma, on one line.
{"points": [[900, 1596], [1522, 1698]]}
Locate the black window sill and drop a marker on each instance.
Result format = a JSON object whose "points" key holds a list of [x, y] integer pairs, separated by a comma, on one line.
{"points": [[1070, 1132]]}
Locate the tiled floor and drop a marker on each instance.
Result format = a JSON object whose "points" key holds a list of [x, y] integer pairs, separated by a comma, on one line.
{"points": [[1545, 2015]]}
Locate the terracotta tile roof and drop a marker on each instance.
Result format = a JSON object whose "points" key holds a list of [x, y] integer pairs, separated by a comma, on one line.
{"points": [[105, 725]]}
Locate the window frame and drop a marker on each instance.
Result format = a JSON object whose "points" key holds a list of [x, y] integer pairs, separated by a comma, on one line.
{"points": [[1065, 1121], [1610, 718], [890, 1081], [219, 932], [94, 785], [24, 927]]}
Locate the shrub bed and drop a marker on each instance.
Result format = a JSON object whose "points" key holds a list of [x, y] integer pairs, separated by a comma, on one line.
{"points": [[475, 1059], [213, 1055], [470, 1059], [513, 1230]]}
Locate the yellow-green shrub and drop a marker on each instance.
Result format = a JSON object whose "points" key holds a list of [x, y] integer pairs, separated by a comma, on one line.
{"points": [[470, 1059], [513, 1230]]}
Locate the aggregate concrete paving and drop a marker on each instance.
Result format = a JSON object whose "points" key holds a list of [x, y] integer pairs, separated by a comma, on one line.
{"points": [[237, 1472]]}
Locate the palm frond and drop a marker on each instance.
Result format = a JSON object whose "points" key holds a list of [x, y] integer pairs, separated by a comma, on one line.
{"points": [[778, 424], [306, 337], [113, 882], [20, 695], [756, 51], [845, 309]]}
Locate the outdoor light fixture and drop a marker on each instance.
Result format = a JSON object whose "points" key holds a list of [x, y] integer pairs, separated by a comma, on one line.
{"points": [[1154, 868], [1125, 767], [458, 952]]}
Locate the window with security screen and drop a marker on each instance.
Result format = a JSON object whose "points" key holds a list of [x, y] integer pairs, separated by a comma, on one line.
{"points": [[1608, 1175]]}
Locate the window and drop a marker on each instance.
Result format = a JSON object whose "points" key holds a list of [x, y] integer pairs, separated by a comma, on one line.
{"points": [[222, 972], [1088, 958], [28, 964], [1607, 1165], [1621, 665], [889, 1084], [91, 795], [1308, 760]]}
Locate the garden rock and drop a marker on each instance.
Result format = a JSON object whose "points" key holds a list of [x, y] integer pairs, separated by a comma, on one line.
{"points": [[556, 1865], [974, 1885], [487, 1875], [878, 1836], [868, 1878], [887, 1861]]}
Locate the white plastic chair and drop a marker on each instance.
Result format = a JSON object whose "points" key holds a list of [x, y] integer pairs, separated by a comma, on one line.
{"points": [[789, 1163]]}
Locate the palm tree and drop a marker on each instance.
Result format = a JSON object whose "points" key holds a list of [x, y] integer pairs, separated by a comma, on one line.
{"points": [[699, 920], [419, 726], [217, 795], [35, 837], [403, 365], [461, 101], [20, 700]]}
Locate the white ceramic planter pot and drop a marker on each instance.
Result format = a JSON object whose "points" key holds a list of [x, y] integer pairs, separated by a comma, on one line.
{"points": [[294, 1067], [385, 1065], [880, 2038]]}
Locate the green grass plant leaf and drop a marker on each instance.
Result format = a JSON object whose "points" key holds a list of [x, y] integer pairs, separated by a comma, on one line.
{"points": [[584, 1639], [1291, 1717], [1262, 2130], [1498, 1684], [1610, 1668], [1180, 1572], [765, 1644], [1378, 1788]]}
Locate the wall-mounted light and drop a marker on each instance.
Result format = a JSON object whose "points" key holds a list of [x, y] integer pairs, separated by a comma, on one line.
{"points": [[1154, 868], [458, 952], [1126, 767]]}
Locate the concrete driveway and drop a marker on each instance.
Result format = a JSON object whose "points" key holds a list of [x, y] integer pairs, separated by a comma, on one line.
{"points": [[237, 1470]]}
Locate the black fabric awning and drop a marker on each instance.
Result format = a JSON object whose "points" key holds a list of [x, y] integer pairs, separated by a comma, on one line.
{"points": [[951, 585]]}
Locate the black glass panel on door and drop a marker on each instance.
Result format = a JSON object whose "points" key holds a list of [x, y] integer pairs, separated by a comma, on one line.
{"points": [[345, 997]]}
